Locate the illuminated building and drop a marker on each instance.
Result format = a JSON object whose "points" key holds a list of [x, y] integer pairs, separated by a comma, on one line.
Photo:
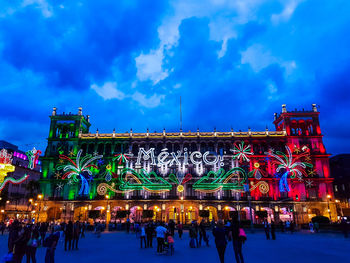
{"points": [[14, 191], [180, 175]]}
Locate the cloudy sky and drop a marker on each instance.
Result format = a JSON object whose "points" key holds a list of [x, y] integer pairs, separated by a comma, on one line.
{"points": [[234, 62]]}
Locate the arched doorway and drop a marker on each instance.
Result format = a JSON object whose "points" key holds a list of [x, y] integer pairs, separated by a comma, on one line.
{"points": [[136, 214], [286, 214], [213, 213], [173, 213], [157, 213], [270, 214], [228, 213], [246, 214]]}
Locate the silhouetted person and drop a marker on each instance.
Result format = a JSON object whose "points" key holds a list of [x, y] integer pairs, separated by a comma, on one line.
{"points": [[220, 240], [237, 241], [68, 232], [273, 230], [267, 229]]}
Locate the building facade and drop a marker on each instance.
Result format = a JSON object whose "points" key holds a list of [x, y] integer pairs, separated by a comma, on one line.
{"points": [[184, 176], [17, 197]]}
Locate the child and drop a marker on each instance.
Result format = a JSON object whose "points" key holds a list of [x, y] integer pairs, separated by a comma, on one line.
{"points": [[170, 240]]}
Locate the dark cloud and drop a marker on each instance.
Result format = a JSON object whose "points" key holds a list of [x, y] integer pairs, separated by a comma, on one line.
{"points": [[51, 55]]}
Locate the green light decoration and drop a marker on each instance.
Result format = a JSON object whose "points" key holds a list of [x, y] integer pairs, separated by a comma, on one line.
{"points": [[130, 180], [234, 179], [77, 171]]}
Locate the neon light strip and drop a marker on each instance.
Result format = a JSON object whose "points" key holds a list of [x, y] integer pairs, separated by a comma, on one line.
{"points": [[13, 181]]}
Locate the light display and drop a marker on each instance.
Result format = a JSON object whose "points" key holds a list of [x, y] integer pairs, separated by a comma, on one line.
{"points": [[241, 152], [180, 180], [79, 170], [121, 158], [221, 180], [13, 181], [257, 172], [33, 157], [5, 164], [108, 173], [173, 158], [289, 165]]}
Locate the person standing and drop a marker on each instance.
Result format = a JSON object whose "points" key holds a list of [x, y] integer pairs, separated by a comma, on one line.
{"points": [[43, 229], [127, 225], [237, 241], [160, 230], [83, 227], [203, 233], [14, 229], [311, 226], [76, 235], [2, 228], [220, 240], [20, 245], [273, 230], [149, 234], [143, 235], [180, 230], [171, 227], [32, 245], [51, 245], [317, 226], [68, 233], [267, 229], [193, 236]]}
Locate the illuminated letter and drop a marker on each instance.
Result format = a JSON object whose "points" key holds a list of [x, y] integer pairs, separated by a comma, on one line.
{"points": [[175, 158], [147, 155], [162, 157], [197, 155], [210, 162]]}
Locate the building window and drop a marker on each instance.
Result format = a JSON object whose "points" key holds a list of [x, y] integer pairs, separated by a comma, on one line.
{"points": [[335, 188]]}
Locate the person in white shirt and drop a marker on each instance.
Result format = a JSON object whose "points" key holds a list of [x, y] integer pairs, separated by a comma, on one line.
{"points": [[160, 230]]}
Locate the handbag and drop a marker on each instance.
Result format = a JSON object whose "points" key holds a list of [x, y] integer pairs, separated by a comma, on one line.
{"points": [[242, 235]]}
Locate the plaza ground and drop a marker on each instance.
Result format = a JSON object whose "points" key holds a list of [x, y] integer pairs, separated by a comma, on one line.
{"points": [[121, 247]]}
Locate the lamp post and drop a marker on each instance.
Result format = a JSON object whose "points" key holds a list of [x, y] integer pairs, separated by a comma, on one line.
{"points": [[329, 210], [108, 210], [40, 197]]}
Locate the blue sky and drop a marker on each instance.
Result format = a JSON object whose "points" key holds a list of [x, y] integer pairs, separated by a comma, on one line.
{"points": [[127, 63]]}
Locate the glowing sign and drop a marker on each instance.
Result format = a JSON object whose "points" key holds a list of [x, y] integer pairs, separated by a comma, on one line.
{"points": [[171, 159]]}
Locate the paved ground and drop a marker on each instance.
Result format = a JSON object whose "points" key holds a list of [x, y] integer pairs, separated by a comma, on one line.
{"points": [[121, 247]]}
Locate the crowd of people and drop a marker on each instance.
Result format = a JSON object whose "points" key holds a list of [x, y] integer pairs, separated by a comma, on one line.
{"points": [[25, 239]]}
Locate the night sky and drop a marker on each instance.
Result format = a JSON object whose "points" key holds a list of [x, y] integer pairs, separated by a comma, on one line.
{"points": [[128, 62]]}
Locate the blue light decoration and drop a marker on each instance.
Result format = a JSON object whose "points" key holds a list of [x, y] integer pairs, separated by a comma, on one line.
{"points": [[79, 170], [289, 165]]}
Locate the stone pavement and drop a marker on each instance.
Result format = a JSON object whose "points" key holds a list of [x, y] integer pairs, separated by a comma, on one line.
{"points": [[121, 247]]}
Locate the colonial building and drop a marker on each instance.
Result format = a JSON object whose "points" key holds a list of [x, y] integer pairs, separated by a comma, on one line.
{"points": [[281, 174], [17, 197]]}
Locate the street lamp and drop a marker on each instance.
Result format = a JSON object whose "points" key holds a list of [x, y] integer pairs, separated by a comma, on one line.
{"points": [[108, 209], [329, 210], [40, 196]]}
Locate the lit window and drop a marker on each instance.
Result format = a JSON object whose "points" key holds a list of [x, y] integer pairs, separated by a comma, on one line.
{"points": [[335, 188]]}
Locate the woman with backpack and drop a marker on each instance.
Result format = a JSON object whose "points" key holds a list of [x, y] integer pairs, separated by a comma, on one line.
{"points": [[238, 238]]}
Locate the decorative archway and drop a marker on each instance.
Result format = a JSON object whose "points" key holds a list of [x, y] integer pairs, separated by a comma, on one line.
{"points": [[136, 213]]}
